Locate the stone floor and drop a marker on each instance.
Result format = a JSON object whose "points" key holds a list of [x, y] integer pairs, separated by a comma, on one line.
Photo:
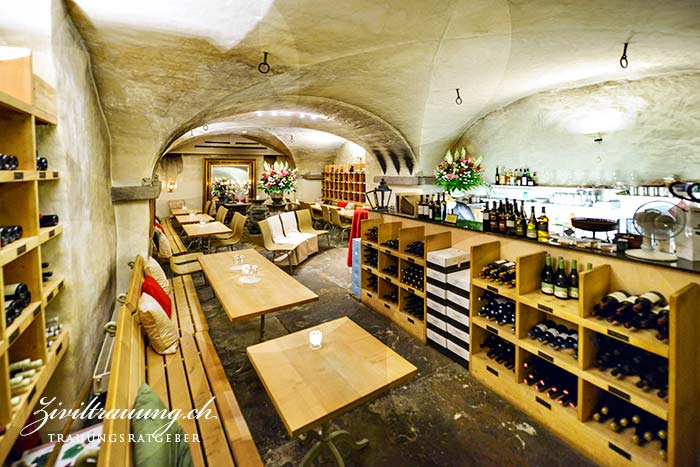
{"points": [[441, 418]]}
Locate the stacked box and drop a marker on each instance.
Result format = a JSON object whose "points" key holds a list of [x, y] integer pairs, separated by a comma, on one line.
{"points": [[356, 263], [448, 278]]}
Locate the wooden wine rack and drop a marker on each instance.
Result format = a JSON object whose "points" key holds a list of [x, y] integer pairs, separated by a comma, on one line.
{"points": [[681, 408], [387, 283], [21, 260], [340, 184]]}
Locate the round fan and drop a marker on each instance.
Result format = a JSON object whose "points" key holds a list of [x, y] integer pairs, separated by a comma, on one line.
{"points": [[658, 222]]}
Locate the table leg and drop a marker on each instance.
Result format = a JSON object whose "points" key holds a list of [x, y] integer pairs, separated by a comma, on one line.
{"points": [[326, 438], [262, 327]]}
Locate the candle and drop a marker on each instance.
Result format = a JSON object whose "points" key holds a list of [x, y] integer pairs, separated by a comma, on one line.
{"points": [[315, 339]]}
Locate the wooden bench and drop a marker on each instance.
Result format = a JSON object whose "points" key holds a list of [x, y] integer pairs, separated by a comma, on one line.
{"points": [[184, 380], [176, 243]]}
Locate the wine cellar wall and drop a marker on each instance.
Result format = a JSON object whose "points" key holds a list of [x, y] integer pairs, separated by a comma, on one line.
{"points": [[344, 183], [589, 397], [31, 342]]}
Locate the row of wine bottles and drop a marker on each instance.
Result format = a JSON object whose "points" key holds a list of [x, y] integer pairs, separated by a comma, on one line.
{"points": [[413, 305], [501, 271], [412, 276], [371, 283], [558, 336], [515, 177], [9, 234], [371, 257], [17, 298], [649, 310], [556, 383], [416, 249], [22, 373], [392, 270], [372, 234], [432, 208], [498, 309], [393, 244], [561, 284], [623, 361], [11, 162], [53, 329], [500, 350], [623, 417], [391, 297], [509, 220]]}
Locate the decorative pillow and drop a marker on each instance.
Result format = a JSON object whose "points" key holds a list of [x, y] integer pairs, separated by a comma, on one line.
{"points": [[148, 451], [342, 204], [159, 227], [153, 288], [164, 248], [161, 331], [153, 269]]}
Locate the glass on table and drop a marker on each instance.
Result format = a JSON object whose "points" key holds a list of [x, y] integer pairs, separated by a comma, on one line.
{"points": [[238, 262]]}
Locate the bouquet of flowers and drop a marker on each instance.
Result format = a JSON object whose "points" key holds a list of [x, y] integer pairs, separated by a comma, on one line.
{"points": [[228, 189], [459, 171], [278, 179]]}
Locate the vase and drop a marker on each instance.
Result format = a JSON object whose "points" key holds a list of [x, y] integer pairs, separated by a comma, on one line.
{"points": [[458, 194], [277, 198]]}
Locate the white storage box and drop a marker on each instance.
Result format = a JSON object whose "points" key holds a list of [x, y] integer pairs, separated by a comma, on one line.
{"points": [[448, 260]]}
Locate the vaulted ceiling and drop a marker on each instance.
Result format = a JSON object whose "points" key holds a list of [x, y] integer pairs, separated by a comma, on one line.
{"points": [[163, 67]]}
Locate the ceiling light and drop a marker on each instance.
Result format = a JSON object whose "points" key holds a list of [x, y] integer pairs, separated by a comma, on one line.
{"points": [[245, 131], [259, 113], [274, 113]]}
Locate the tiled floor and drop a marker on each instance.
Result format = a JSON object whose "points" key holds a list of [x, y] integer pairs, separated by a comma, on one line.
{"points": [[442, 418]]}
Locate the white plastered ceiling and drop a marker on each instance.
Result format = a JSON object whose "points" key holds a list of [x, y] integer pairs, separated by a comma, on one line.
{"points": [[164, 67]]}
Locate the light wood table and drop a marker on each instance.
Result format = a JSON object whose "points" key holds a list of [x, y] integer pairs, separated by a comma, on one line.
{"points": [[276, 290], [200, 231], [181, 211], [310, 388], [342, 211], [188, 219]]}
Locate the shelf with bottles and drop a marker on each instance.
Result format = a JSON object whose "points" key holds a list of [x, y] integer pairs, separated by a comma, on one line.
{"points": [[530, 289], [412, 277], [388, 267], [51, 288], [344, 182], [495, 314], [522, 177], [555, 385], [21, 300], [548, 338], [48, 233], [498, 352]]}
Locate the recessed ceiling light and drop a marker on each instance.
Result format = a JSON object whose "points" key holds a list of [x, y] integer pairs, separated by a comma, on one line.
{"points": [[245, 131], [274, 113], [259, 113]]}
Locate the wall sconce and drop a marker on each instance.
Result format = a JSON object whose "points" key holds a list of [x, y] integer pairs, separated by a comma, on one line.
{"points": [[171, 186]]}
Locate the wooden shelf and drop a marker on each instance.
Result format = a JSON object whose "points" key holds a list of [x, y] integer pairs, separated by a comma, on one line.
{"points": [[48, 233], [494, 328], [14, 250], [410, 289], [643, 338], [507, 292], [338, 184], [9, 176], [22, 322], [21, 412], [559, 358], [13, 104], [51, 289], [48, 175], [639, 455], [564, 309]]}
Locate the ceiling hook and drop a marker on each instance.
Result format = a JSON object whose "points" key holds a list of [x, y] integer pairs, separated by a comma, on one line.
{"points": [[459, 99], [264, 67], [623, 59]]}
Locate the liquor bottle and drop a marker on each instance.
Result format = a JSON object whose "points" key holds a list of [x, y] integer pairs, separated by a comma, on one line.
{"points": [[510, 220], [510, 177], [486, 225], [623, 313], [41, 163], [9, 234], [444, 206], [8, 162], [609, 304], [502, 226], [518, 177], [493, 218], [573, 280], [561, 282], [532, 225], [438, 209], [48, 220], [498, 177], [539, 329], [543, 227], [521, 221], [547, 277], [526, 177], [431, 211], [420, 208], [534, 179], [647, 301]]}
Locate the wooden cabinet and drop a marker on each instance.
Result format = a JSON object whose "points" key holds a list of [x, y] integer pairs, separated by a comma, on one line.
{"points": [[344, 183], [21, 260]]}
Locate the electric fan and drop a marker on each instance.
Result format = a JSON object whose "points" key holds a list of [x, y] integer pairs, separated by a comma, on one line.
{"points": [[658, 222]]}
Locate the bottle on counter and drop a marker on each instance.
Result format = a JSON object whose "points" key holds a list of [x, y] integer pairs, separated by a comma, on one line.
{"points": [[502, 226], [498, 177], [510, 219], [543, 227], [561, 282], [531, 231], [486, 224], [573, 280]]}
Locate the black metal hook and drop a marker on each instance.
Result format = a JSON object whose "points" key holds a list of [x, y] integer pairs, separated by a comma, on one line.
{"points": [[264, 67], [623, 59], [459, 99]]}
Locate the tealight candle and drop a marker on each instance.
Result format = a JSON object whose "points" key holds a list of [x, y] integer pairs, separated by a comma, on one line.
{"points": [[315, 339]]}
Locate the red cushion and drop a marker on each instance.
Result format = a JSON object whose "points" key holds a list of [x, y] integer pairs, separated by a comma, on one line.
{"points": [[159, 227], [153, 288], [342, 204]]}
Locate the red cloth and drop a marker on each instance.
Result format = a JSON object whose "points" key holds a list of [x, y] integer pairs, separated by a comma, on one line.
{"points": [[342, 204], [152, 287], [159, 227], [359, 214]]}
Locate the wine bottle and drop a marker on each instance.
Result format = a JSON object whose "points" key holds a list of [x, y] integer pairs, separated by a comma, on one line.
{"points": [[498, 177], [438, 209], [502, 226], [561, 283], [510, 220], [623, 312], [521, 221], [532, 225], [609, 304], [547, 276], [543, 227], [48, 220], [573, 280], [486, 225]]}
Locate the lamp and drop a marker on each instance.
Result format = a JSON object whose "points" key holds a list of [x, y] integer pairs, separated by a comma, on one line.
{"points": [[380, 195], [172, 186]]}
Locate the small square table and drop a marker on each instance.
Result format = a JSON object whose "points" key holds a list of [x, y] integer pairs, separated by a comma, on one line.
{"points": [[309, 388], [188, 219], [181, 211], [205, 230]]}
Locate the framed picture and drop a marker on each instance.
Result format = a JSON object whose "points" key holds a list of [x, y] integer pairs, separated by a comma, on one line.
{"points": [[231, 179]]}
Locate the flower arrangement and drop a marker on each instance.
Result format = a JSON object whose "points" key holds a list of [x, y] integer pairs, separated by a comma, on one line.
{"points": [[459, 171], [278, 179], [229, 189]]}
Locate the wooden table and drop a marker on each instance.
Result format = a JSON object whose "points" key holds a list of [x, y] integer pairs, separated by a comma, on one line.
{"points": [[187, 219], [309, 388], [181, 211], [276, 291], [201, 231], [343, 212]]}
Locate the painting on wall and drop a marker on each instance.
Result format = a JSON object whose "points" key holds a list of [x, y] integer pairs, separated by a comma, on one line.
{"points": [[231, 180]]}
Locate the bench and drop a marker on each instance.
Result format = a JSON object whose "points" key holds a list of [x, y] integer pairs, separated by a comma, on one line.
{"points": [[184, 380], [176, 243]]}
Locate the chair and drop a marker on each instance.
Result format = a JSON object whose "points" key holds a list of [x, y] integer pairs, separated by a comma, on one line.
{"points": [[206, 207], [273, 247], [234, 238], [221, 214], [326, 216], [184, 268], [304, 217], [338, 223], [314, 217], [212, 207]]}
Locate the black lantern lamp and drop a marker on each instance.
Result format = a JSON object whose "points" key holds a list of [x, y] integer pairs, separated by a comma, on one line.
{"points": [[379, 198]]}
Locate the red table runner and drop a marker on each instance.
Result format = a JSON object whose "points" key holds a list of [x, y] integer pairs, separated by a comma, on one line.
{"points": [[357, 217]]}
